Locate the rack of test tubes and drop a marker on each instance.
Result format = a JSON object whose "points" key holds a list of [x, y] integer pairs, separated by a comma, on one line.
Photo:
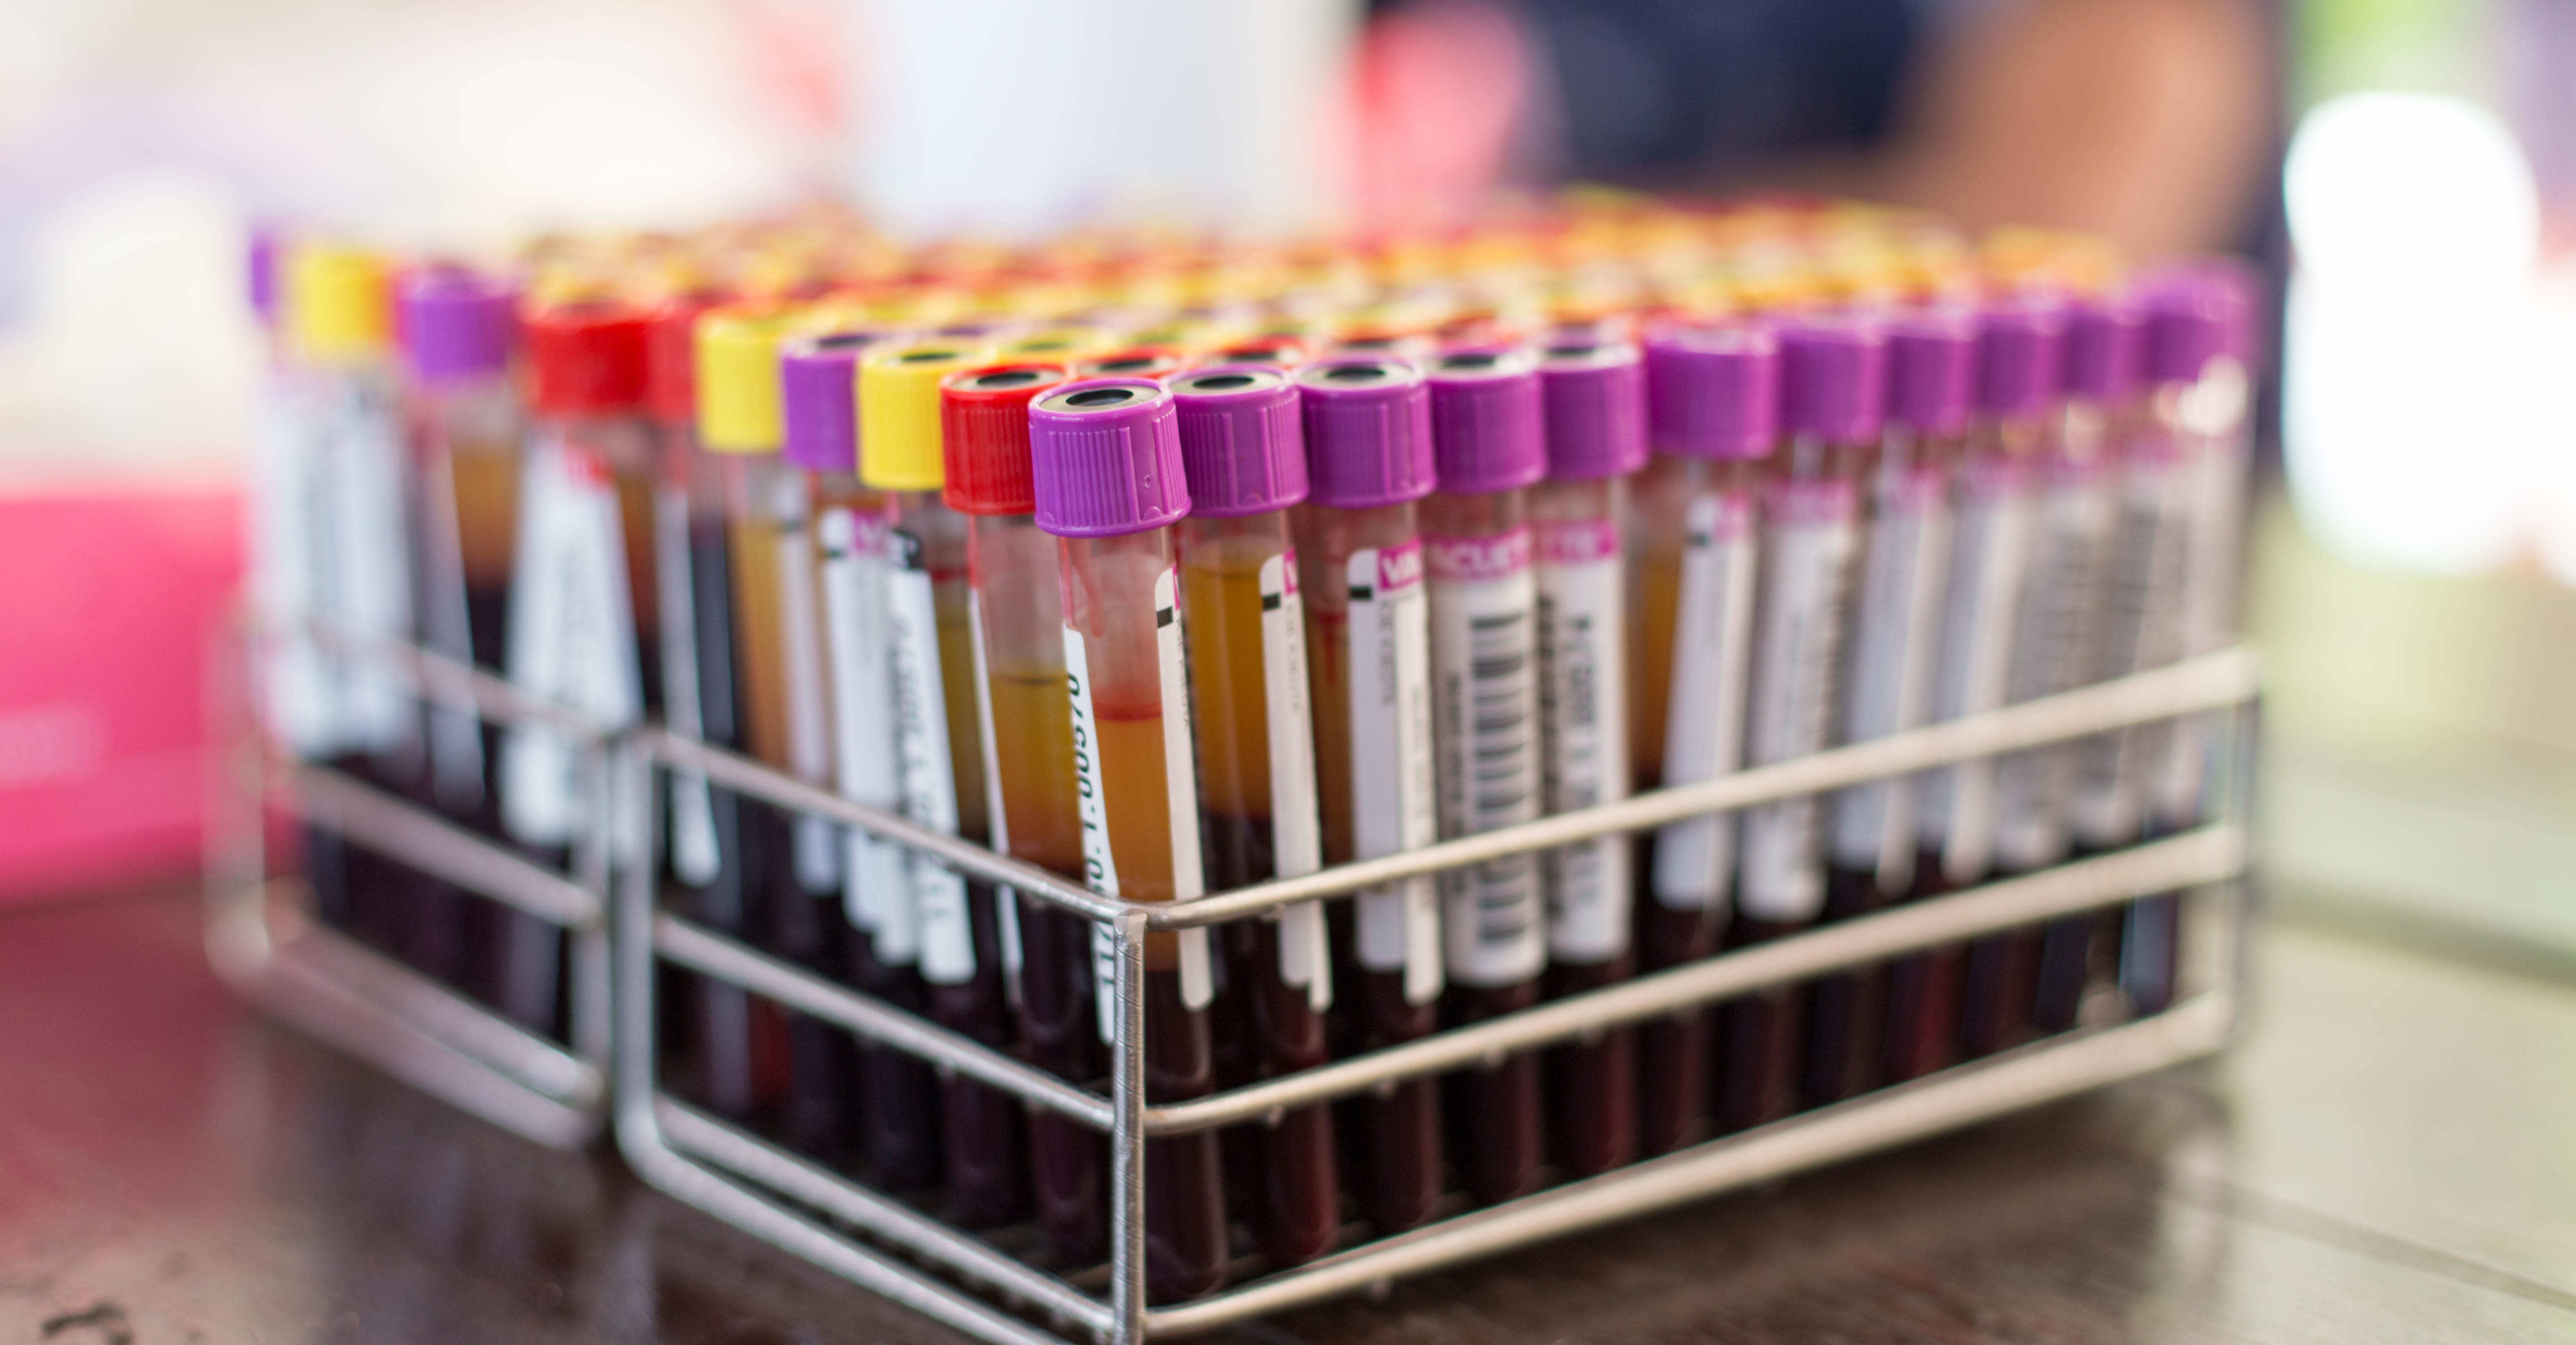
{"points": [[1130, 784]]}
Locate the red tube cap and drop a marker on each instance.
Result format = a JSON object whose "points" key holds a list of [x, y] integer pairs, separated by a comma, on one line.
{"points": [[586, 359], [984, 436]]}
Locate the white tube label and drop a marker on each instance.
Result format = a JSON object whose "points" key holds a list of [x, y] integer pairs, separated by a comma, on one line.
{"points": [[1813, 538], [696, 858], [2051, 634], [1181, 785], [1484, 679], [1704, 724], [572, 634], [1583, 708], [855, 624], [809, 728], [1987, 557], [929, 774], [1296, 825], [366, 586], [290, 520], [1896, 629], [1392, 801], [1006, 901], [2140, 627]]}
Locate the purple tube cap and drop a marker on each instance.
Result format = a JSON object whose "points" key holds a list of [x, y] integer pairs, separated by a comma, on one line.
{"points": [[1243, 445], [2019, 343], [1833, 378], [1713, 392], [266, 242], [1488, 420], [1368, 431], [2105, 348], [1931, 370], [1106, 458], [1594, 396], [2189, 323], [457, 324], [818, 399]]}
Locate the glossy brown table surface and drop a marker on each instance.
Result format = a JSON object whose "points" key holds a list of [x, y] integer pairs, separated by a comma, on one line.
{"points": [[2391, 1156]]}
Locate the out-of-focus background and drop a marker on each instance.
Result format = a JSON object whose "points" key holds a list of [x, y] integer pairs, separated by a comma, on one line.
{"points": [[2406, 168]]}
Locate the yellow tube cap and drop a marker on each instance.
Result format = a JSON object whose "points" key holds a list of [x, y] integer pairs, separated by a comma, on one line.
{"points": [[899, 443], [339, 303], [737, 359]]}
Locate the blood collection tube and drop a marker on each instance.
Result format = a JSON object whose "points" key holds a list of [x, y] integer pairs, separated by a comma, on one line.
{"points": [[466, 432], [1487, 439], [930, 624], [1594, 399], [1996, 508], [1368, 454], [1711, 414], [329, 541], [2199, 343], [1930, 366], [1832, 389], [780, 680], [581, 610], [1244, 453], [1107, 467], [2090, 513], [736, 1045], [1026, 731]]}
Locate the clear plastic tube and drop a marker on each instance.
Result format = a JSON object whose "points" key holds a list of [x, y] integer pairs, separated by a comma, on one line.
{"points": [[1691, 587], [1583, 697], [1137, 787], [1484, 672], [1369, 667], [1249, 700]]}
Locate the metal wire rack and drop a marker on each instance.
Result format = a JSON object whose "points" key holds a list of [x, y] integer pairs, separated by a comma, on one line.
{"points": [[979, 1283], [262, 935]]}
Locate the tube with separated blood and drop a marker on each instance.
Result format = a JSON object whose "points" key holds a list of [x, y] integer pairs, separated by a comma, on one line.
{"points": [[1368, 454], [1025, 729], [930, 628], [1832, 388], [1995, 503], [1870, 854], [466, 430], [1488, 449], [1244, 454], [581, 610], [1711, 411], [1106, 459], [780, 679], [1594, 400]]}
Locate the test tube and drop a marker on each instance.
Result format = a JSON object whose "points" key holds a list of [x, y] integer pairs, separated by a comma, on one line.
{"points": [[930, 624], [780, 680], [1997, 509], [736, 1045], [1368, 453], [2199, 343], [1488, 449], [1897, 643], [1711, 415], [2092, 531], [1244, 453], [581, 611], [1832, 389], [1110, 488], [1593, 396], [466, 430], [1133, 362], [1025, 726], [329, 540]]}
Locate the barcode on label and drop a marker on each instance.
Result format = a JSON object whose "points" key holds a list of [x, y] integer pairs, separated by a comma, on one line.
{"points": [[2049, 639], [1483, 652], [1394, 805], [1989, 552], [1584, 733], [1796, 658]]}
